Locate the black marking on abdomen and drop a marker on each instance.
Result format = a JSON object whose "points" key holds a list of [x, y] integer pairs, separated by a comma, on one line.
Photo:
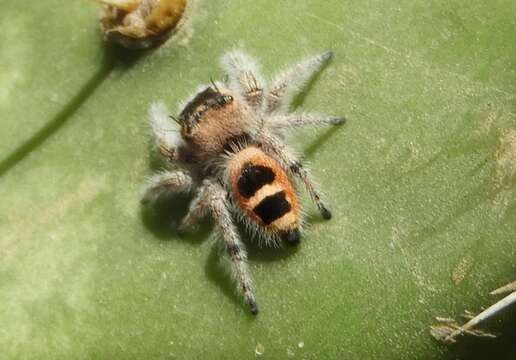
{"points": [[272, 207], [253, 178]]}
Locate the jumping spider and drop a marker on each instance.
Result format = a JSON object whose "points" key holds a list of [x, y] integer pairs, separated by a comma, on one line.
{"points": [[229, 143]]}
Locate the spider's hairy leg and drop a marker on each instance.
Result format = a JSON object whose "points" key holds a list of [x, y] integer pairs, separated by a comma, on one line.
{"points": [[197, 208], [274, 146], [165, 182], [280, 122], [166, 133], [297, 168], [231, 244], [244, 77], [290, 82]]}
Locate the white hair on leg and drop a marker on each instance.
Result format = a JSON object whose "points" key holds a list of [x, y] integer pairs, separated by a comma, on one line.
{"points": [[244, 77], [282, 123], [165, 182], [231, 244], [166, 132]]}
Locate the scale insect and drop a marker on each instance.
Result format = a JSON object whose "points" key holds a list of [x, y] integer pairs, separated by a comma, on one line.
{"points": [[228, 147]]}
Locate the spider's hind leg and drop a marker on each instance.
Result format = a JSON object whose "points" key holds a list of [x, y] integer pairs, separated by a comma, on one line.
{"points": [[274, 146], [297, 169], [231, 244]]}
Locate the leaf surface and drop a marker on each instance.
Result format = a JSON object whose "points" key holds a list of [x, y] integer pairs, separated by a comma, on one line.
{"points": [[421, 181]]}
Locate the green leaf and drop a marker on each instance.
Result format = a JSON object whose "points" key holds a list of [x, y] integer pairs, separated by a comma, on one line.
{"points": [[421, 181], [50, 51]]}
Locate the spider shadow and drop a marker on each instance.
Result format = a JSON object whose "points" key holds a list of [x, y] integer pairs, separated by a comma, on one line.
{"points": [[162, 216], [300, 97], [310, 150], [502, 347]]}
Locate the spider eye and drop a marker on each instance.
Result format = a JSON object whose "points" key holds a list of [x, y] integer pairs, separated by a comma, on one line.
{"points": [[224, 99]]}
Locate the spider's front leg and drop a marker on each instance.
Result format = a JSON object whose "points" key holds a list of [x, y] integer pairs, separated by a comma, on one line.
{"points": [[167, 137], [231, 243], [244, 77], [170, 145], [274, 146]]}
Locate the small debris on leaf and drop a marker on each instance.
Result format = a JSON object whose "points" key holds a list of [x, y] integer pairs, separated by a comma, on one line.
{"points": [[448, 329], [259, 350], [509, 288], [140, 24]]}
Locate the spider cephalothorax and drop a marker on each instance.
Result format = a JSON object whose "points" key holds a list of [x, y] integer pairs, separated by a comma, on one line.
{"points": [[230, 150]]}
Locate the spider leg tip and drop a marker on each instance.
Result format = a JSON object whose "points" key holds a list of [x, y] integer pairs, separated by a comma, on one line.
{"points": [[327, 55]]}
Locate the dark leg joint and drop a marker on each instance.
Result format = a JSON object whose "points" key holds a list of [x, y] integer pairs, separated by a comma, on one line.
{"points": [[325, 213], [251, 302], [181, 231], [232, 250], [339, 120], [291, 237], [296, 167], [253, 307]]}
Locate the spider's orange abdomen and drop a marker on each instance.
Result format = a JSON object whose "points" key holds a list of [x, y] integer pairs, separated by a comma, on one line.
{"points": [[263, 191]]}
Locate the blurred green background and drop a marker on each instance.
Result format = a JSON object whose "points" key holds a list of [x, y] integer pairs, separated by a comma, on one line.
{"points": [[421, 182]]}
